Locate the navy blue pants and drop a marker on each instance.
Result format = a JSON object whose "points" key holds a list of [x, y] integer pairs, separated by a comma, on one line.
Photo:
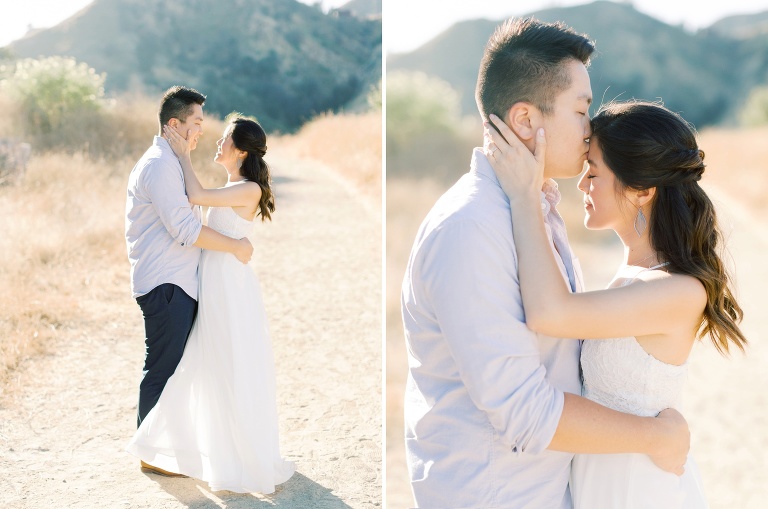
{"points": [[168, 316]]}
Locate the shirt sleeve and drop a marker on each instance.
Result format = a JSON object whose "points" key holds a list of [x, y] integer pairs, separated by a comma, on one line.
{"points": [[164, 185], [470, 276]]}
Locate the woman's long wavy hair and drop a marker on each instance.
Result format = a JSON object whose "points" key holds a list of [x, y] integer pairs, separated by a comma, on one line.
{"points": [[248, 135], [646, 145]]}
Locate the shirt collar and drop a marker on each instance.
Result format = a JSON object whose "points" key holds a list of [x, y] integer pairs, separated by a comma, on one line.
{"points": [[550, 194], [162, 143]]}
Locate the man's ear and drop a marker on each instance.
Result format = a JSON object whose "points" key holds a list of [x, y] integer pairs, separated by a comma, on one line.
{"points": [[522, 119], [174, 122]]}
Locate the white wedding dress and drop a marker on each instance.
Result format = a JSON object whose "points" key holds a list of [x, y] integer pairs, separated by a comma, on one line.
{"points": [[216, 419], [620, 375]]}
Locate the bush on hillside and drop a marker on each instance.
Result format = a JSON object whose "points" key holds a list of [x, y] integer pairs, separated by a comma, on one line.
{"points": [[58, 104], [755, 110], [374, 97], [418, 104], [51, 90], [426, 133]]}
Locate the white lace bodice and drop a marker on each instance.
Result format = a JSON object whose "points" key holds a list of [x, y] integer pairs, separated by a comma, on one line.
{"points": [[619, 374], [226, 221]]}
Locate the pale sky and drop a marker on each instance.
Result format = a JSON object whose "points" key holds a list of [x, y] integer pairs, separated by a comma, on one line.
{"points": [[410, 23], [15, 18]]}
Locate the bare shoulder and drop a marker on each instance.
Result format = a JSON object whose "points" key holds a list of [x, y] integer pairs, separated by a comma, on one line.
{"points": [[252, 188], [676, 288]]}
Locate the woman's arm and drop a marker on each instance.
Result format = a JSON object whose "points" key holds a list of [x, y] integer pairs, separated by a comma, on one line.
{"points": [[652, 306], [242, 195]]}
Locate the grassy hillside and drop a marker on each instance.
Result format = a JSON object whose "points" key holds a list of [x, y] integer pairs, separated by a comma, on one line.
{"points": [[705, 76], [280, 58]]}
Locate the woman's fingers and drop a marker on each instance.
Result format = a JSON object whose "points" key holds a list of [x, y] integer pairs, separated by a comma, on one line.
{"points": [[494, 140], [172, 133], [509, 137], [541, 146]]}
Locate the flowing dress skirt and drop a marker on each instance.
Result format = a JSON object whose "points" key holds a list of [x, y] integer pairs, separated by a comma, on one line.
{"points": [[632, 481], [216, 419]]}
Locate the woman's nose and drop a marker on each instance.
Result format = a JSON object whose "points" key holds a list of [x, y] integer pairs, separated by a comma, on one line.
{"points": [[580, 184]]}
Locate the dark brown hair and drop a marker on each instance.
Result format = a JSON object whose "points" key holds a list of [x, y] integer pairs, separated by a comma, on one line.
{"points": [[524, 61], [646, 145], [177, 103], [248, 135]]}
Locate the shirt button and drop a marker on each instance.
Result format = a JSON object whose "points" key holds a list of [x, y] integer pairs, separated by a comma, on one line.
{"points": [[543, 206]]}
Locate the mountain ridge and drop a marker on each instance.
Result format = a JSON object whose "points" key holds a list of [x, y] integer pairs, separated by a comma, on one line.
{"points": [[637, 56], [280, 60]]}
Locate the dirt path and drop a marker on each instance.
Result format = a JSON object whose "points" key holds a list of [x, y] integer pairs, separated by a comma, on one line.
{"points": [[62, 432], [725, 397]]}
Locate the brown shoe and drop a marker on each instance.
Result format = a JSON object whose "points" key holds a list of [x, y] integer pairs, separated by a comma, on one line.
{"points": [[146, 467]]}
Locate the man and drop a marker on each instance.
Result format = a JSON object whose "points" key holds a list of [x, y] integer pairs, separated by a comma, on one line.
{"points": [[164, 235], [491, 412]]}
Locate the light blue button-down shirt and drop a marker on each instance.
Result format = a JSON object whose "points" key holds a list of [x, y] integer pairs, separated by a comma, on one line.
{"points": [[484, 393], [161, 226]]}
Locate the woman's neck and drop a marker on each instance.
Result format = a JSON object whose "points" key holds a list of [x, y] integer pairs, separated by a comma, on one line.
{"points": [[637, 249], [233, 174]]}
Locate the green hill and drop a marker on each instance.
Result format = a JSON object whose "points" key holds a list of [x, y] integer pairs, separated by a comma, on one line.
{"points": [[280, 60], [705, 76]]}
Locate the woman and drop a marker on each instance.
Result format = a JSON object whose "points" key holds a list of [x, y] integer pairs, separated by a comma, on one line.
{"points": [[216, 419], [641, 181]]}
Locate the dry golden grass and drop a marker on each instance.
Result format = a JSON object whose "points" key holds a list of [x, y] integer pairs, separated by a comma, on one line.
{"points": [[736, 164], [64, 263], [350, 144], [61, 243]]}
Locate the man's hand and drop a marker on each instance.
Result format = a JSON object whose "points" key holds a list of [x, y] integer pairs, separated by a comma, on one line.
{"points": [[674, 443], [244, 250]]}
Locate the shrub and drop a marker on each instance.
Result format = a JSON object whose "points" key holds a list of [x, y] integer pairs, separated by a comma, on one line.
{"points": [[374, 97], [418, 104], [755, 110], [51, 90]]}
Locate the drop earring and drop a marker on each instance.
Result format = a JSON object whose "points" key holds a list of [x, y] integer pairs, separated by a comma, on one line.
{"points": [[640, 222]]}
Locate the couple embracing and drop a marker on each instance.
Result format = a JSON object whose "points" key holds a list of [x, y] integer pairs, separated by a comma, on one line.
{"points": [[524, 391], [207, 400]]}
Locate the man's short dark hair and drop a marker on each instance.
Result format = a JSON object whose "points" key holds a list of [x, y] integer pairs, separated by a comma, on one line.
{"points": [[523, 61], [177, 103]]}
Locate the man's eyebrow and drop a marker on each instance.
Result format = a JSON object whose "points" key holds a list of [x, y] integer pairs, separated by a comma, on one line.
{"points": [[585, 97]]}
